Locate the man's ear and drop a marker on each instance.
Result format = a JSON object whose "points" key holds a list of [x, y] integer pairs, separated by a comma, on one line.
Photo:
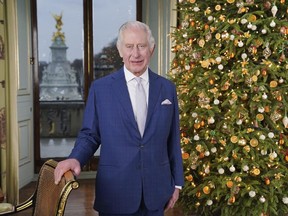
{"points": [[119, 51]]}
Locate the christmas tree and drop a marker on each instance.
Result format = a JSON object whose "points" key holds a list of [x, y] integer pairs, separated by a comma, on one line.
{"points": [[230, 69]]}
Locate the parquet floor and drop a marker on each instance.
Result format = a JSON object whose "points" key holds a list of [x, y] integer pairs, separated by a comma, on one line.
{"points": [[80, 201]]}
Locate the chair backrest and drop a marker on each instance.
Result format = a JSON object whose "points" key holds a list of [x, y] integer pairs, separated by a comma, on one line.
{"points": [[50, 199]]}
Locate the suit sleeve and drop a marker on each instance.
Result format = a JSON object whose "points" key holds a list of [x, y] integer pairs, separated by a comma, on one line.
{"points": [[174, 147], [88, 139]]}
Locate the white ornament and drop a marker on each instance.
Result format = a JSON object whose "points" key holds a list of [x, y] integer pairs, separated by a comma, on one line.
{"points": [[261, 109], [274, 10], [196, 137], [243, 21], [243, 56], [196, 9], [262, 199], [220, 67], [263, 152], [214, 150], [264, 31], [216, 101], [285, 121], [281, 80], [271, 135], [239, 122], [187, 67], [232, 37], [211, 120], [272, 24], [254, 27], [194, 115], [185, 35], [232, 169], [240, 44], [209, 202], [285, 200], [262, 137], [207, 153], [221, 171], [249, 26], [252, 194], [218, 59], [245, 168], [210, 18], [264, 96]]}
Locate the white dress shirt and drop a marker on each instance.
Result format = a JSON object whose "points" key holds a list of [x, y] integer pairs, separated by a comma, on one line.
{"points": [[131, 84]]}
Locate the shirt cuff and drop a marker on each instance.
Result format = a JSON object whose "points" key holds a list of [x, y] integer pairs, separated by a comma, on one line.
{"points": [[179, 187]]}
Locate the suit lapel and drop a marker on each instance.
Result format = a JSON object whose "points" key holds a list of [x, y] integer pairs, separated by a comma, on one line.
{"points": [[154, 92], [120, 89]]}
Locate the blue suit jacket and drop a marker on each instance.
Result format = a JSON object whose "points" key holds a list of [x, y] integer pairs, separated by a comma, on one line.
{"points": [[129, 165]]}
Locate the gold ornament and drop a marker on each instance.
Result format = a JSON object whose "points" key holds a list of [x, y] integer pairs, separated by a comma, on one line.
{"points": [[185, 155], [246, 148], [189, 178], [201, 43], [286, 158], [229, 184], [206, 190], [260, 117], [273, 84], [264, 72], [279, 98], [198, 194], [234, 139], [211, 81], [252, 18], [218, 7], [254, 142], [197, 126], [267, 181], [231, 200], [255, 171], [201, 155], [202, 123]]}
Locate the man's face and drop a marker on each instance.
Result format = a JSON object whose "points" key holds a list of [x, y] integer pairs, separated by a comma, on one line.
{"points": [[135, 51]]}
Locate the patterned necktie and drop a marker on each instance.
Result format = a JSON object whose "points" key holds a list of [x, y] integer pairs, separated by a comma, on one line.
{"points": [[141, 106]]}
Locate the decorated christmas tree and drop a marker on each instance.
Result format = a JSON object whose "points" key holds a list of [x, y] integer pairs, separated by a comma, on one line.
{"points": [[231, 72]]}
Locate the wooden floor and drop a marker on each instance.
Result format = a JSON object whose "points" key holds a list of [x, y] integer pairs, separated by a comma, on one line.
{"points": [[80, 201]]}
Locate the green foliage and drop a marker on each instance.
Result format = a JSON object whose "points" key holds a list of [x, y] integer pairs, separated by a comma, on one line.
{"points": [[230, 69]]}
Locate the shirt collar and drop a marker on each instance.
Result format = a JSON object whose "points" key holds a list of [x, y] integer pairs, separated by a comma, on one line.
{"points": [[130, 76]]}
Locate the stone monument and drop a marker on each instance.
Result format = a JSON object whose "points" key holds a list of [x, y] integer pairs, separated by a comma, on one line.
{"points": [[59, 78]]}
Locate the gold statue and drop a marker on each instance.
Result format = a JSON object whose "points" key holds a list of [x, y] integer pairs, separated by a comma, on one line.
{"points": [[59, 24]]}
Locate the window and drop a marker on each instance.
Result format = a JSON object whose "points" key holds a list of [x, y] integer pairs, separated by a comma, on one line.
{"points": [[76, 43]]}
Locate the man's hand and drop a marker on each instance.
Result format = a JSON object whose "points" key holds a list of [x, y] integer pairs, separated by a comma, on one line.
{"points": [[173, 199], [64, 166]]}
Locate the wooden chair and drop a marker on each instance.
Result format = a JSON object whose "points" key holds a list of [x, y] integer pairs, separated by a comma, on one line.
{"points": [[48, 199]]}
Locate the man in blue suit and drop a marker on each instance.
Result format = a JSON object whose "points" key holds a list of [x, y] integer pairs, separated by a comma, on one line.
{"points": [[140, 170]]}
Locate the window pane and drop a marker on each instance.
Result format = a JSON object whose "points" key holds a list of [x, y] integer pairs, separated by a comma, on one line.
{"points": [[60, 28], [107, 18]]}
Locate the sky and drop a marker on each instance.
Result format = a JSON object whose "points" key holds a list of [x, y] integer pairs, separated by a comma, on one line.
{"points": [[108, 16]]}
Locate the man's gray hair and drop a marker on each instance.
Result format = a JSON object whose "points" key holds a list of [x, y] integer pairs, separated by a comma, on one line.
{"points": [[136, 24]]}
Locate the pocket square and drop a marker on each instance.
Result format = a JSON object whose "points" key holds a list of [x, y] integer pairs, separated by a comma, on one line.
{"points": [[166, 102]]}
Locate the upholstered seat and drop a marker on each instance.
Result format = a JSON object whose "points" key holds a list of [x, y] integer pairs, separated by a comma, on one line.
{"points": [[48, 199]]}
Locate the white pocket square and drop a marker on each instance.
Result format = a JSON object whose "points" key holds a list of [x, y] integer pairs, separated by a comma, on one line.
{"points": [[166, 102]]}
